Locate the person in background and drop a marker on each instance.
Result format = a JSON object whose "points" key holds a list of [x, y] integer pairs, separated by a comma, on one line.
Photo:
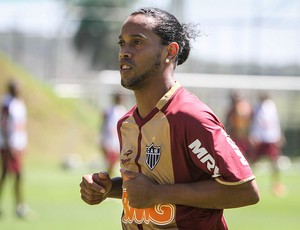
{"points": [[238, 120], [109, 142], [179, 168], [13, 143], [267, 139]]}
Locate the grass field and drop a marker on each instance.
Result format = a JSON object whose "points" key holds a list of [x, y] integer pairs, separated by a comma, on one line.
{"points": [[53, 195]]}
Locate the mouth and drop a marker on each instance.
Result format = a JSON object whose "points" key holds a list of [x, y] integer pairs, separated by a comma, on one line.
{"points": [[124, 67]]}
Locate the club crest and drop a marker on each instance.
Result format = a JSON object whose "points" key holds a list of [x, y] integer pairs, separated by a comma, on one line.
{"points": [[152, 155]]}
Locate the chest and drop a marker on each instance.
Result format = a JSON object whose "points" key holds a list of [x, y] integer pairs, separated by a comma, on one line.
{"points": [[148, 148]]}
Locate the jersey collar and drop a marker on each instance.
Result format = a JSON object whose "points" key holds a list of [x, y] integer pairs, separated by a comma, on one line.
{"points": [[168, 95]]}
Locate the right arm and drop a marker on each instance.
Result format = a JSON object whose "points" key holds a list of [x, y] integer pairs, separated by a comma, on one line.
{"points": [[95, 188]]}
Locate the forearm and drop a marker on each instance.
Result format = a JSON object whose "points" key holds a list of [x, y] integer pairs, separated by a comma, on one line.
{"points": [[116, 190], [209, 194]]}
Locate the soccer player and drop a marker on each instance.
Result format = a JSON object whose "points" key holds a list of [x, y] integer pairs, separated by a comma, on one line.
{"points": [[267, 139], [13, 142], [109, 143], [238, 121], [179, 168]]}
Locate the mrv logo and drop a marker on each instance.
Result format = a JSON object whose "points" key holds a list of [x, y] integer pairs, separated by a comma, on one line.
{"points": [[204, 157]]}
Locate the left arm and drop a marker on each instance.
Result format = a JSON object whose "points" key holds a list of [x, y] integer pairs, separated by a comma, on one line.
{"points": [[210, 194], [143, 193]]}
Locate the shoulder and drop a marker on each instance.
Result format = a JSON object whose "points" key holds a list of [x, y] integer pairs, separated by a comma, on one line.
{"points": [[6, 100], [188, 108], [17, 103], [127, 114]]}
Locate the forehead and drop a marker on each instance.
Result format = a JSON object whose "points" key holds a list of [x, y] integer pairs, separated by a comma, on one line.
{"points": [[138, 24]]}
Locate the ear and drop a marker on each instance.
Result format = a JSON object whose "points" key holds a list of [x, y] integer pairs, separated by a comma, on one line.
{"points": [[173, 49]]}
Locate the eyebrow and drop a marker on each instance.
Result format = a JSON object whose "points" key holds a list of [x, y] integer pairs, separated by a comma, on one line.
{"points": [[135, 36]]}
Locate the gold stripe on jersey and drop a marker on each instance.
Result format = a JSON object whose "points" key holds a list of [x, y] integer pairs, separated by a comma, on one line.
{"points": [[167, 96], [234, 183]]}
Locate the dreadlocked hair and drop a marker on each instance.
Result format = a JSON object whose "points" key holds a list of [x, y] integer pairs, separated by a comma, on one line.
{"points": [[169, 29]]}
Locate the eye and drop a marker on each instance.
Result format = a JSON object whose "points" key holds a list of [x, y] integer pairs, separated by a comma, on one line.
{"points": [[121, 43], [137, 42]]}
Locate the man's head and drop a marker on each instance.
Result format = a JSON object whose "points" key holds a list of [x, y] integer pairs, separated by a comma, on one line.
{"points": [[151, 40], [117, 98], [13, 88], [169, 29]]}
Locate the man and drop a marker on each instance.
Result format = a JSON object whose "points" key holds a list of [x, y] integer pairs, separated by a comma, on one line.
{"points": [[179, 167], [109, 136], [267, 139], [13, 142], [238, 121]]}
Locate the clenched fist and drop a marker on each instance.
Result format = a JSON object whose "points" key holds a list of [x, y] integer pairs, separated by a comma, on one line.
{"points": [[94, 188]]}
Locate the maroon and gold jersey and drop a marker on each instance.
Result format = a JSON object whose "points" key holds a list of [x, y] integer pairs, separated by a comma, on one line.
{"points": [[180, 141]]}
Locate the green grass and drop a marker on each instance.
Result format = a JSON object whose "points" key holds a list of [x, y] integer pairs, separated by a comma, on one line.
{"points": [[271, 213], [53, 194]]}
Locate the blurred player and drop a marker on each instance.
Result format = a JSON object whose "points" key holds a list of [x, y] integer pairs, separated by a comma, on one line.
{"points": [[238, 121], [109, 136], [13, 143], [180, 169], [267, 139]]}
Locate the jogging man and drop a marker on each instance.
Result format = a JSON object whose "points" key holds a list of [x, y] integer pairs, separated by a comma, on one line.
{"points": [[13, 143], [179, 168], [109, 143]]}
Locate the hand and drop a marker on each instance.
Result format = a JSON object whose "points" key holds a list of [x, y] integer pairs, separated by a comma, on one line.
{"points": [[141, 191], [95, 187]]}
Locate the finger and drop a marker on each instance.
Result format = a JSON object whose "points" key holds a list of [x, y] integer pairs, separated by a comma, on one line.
{"points": [[89, 192], [88, 182], [103, 176], [90, 195], [91, 201], [103, 180]]}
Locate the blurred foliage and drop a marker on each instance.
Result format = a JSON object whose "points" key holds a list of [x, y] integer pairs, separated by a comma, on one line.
{"points": [[97, 34], [56, 126]]}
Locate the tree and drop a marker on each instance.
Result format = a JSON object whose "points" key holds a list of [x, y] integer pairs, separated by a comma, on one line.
{"points": [[98, 31]]}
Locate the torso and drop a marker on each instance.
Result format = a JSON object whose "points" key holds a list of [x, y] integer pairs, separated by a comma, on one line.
{"points": [[173, 144]]}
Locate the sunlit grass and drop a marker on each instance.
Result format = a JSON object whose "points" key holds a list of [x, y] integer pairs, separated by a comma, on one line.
{"points": [[53, 194]]}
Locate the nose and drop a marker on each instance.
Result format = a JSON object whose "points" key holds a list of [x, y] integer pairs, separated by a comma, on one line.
{"points": [[124, 53]]}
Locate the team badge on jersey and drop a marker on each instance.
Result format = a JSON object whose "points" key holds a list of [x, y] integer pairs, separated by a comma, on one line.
{"points": [[152, 155]]}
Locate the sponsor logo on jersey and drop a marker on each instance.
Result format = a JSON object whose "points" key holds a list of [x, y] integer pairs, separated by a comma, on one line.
{"points": [[152, 155], [125, 157], [206, 158], [161, 214]]}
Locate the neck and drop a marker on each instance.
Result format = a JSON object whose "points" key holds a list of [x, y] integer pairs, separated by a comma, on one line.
{"points": [[148, 97]]}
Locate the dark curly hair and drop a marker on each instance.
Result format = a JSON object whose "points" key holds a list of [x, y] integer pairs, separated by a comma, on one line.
{"points": [[171, 30]]}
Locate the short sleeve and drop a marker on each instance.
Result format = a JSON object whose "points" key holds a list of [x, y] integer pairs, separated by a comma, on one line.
{"points": [[213, 151]]}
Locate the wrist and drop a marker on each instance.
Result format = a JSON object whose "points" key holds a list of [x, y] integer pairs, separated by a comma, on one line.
{"points": [[116, 188], [161, 192]]}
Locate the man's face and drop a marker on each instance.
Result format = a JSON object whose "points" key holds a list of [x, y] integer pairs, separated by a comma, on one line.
{"points": [[140, 52]]}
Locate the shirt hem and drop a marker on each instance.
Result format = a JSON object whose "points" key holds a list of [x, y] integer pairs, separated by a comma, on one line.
{"points": [[234, 183]]}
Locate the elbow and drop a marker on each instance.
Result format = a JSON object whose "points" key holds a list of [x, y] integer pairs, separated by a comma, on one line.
{"points": [[249, 194], [254, 196]]}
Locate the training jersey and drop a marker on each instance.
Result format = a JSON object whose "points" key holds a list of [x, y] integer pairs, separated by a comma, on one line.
{"points": [[180, 141], [109, 135], [266, 125], [13, 124]]}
